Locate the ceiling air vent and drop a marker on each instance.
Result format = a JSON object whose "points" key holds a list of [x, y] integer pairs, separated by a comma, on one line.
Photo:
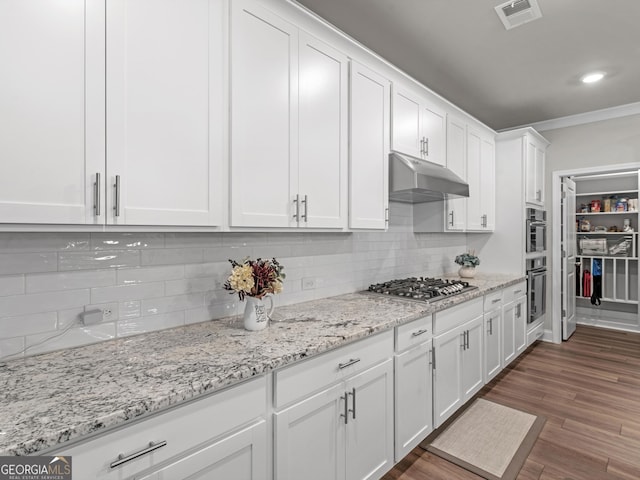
{"points": [[517, 12]]}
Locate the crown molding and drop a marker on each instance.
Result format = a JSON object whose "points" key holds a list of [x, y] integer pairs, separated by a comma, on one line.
{"points": [[582, 118]]}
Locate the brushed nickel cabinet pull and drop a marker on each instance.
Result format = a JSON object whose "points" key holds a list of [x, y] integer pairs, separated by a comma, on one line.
{"points": [[451, 215], [386, 215], [116, 205], [433, 358], [353, 410], [96, 195], [419, 332], [127, 458], [305, 217], [426, 146], [346, 408], [351, 361], [296, 201]]}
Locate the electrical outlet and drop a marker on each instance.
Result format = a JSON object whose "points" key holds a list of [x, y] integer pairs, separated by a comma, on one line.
{"points": [[92, 316], [308, 283], [107, 313]]}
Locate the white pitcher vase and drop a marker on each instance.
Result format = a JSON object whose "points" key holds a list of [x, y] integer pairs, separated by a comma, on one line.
{"points": [[256, 316]]}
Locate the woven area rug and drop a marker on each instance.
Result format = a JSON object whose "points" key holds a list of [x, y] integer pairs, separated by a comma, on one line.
{"points": [[489, 439]]}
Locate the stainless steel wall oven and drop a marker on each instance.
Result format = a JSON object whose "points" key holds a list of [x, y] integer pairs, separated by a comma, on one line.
{"points": [[536, 230], [536, 288]]}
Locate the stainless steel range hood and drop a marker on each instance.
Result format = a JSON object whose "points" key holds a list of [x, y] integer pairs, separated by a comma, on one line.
{"points": [[413, 180]]}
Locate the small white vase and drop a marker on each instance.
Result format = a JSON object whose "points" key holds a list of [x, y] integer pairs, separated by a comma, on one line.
{"points": [[256, 316], [467, 272]]}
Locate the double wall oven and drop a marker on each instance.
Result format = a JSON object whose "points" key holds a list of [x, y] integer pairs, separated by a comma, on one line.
{"points": [[536, 233]]}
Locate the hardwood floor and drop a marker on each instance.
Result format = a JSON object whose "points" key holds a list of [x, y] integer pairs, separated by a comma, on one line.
{"points": [[589, 391]]}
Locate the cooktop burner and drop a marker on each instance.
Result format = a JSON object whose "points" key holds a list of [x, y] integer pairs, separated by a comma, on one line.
{"points": [[422, 288]]}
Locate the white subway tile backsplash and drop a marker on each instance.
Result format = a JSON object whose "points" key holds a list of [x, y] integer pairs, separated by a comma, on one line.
{"points": [[43, 242], [126, 241], [135, 326], [192, 285], [129, 309], [75, 337], [98, 259], [121, 293], [154, 306], [43, 302], [11, 285], [11, 263], [71, 280], [151, 281], [28, 324], [11, 348], [127, 276], [193, 240], [171, 256]]}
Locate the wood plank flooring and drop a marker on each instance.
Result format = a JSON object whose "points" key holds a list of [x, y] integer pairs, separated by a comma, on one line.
{"points": [[589, 391]]}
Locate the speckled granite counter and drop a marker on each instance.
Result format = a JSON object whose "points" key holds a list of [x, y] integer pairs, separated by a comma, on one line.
{"points": [[49, 399]]}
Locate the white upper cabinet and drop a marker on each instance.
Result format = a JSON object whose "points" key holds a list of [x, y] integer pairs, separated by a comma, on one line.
{"points": [[369, 159], [264, 117], [164, 112], [481, 178], [419, 127], [51, 111], [288, 124], [456, 162], [534, 171], [322, 126]]}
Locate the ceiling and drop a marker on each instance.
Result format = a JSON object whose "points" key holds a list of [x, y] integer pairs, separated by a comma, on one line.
{"points": [[505, 78]]}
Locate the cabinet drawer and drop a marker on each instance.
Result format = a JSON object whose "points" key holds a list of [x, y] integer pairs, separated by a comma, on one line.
{"points": [[413, 333], [514, 292], [455, 316], [492, 301], [307, 377], [182, 428]]}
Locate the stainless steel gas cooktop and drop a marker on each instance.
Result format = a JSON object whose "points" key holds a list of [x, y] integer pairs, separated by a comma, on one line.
{"points": [[422, 288]]}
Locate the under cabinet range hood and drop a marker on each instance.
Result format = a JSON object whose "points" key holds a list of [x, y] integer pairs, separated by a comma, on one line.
{"points": [[413, 180]]}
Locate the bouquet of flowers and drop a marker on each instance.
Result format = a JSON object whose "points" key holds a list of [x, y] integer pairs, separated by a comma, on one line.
{"points": [[255, 278], [467, 260]]}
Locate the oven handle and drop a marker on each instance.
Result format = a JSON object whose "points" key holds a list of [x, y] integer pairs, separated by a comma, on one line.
{"points": [[537, 223]]}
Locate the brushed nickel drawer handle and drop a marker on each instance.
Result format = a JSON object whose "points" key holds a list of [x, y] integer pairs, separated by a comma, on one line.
{"points": [[352, 361], [496, 300], [353, 394], [419, 332], [517, 291], [124, 459]]}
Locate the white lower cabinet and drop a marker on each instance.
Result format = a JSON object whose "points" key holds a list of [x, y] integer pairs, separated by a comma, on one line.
{"points": [[413, 385], [221, 436], [514, 330], [458, 369], [345, 430], [492, 344]]}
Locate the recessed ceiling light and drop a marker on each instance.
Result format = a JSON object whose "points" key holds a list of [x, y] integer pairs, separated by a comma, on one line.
{"points": [[593, 77]]}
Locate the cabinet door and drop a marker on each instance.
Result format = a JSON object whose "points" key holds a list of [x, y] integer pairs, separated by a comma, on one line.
{"points": [[413, 398], [520, 325], [474, 204], [488, 183], [309, 437], [241, 456], [534, 171], [434, 126], [51, 111], [369, 439], [323, 130], [457, 163], [407, 133], [369, 158], [164, 111], [473, 359], [447, 375], [540, 160], [492, 344], [264, 110], [508, 333]]}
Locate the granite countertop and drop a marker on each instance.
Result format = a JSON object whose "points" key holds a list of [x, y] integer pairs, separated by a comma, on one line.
{"points": [[52, 398]]}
